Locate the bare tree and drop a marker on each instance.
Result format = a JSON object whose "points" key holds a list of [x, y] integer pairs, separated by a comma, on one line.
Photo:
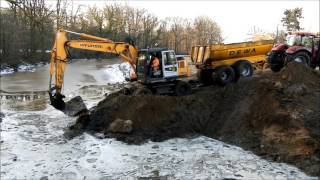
{"points": [[177, 25], [97, 18], [33, 18], [37, 22], [207, 31]]}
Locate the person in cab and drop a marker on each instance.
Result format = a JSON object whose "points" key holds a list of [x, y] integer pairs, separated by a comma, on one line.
{"points": [[155, 66]]}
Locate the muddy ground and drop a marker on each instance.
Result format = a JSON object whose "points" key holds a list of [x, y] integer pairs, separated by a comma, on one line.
{"points": [[275, 115]]}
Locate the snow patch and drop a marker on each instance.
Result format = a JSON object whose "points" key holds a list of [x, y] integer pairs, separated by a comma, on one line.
{"points": [[40, 64], [33, 147], [6, 70], [26, 68], [117, 73]]}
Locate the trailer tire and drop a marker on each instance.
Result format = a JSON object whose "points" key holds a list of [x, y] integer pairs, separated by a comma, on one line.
{"points": [[182, 88], [223, 75], [242, 68], [142, 91]]}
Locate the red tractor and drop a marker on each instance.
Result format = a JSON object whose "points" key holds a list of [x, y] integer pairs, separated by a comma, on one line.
{"points": [[301, 47]]}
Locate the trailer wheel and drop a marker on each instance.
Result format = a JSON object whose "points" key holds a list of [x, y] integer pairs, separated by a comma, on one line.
{"points": [[223, 75], [142, 91], [182, 88], [242, 68]]}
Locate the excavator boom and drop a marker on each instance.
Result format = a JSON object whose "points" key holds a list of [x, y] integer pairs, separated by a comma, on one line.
{"points": [[59, 55]]}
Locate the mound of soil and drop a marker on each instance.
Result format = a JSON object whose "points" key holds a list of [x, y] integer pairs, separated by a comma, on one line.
{"points": [[275, 115]]}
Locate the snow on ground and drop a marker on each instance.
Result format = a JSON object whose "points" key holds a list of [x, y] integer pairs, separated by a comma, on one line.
{"points": [[33, 146], [26, 68], [6, 70]]}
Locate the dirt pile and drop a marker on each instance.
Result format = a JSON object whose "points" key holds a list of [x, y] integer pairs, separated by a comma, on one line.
{"points": [[276, 115], [75, 106]]}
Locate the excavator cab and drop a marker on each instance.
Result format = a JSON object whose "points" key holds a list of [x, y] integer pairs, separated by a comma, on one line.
{"points": [[168, 68]]}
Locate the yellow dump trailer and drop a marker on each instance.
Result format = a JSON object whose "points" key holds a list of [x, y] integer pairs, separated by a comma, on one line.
{"points": [[225, 63]]}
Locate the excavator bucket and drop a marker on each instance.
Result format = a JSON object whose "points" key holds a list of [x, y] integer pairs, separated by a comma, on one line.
{"points": [[73, 107], [57, 101]]}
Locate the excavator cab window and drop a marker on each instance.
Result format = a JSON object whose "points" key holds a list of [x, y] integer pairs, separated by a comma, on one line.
{"points": [[145, 69], [141, 66], [170, 64], [155, 66]]}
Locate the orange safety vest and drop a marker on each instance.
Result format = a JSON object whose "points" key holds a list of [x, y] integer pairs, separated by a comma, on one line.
{"points": [[155, 64]]}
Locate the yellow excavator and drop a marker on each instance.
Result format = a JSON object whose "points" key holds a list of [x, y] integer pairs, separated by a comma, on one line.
{"points": [[169, 78]]}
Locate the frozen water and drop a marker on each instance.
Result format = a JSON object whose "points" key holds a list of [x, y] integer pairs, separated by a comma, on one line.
{"points": [[79, 73]]}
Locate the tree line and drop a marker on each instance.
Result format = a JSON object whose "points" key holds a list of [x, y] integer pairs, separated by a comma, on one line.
{"points": [[28, 27]]}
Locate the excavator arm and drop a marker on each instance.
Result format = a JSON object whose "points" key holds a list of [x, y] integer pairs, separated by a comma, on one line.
{"points": [[59, 55]]}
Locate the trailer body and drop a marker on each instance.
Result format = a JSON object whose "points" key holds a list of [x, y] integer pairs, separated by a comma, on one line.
{"points": [[212, 56], [238, 59]]}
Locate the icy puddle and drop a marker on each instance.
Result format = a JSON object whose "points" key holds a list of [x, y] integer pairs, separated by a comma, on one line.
{"points": [[33, 146]]}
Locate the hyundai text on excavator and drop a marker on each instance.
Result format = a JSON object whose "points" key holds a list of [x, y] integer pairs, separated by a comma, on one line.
{"points": [[168, 80]]}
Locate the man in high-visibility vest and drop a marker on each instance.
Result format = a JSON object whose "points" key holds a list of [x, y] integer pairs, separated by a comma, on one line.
{"points": [[155, 65]]}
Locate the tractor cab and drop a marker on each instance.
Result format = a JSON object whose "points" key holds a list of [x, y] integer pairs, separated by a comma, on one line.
{"points": [[156, 65], [300, 39], [299, 42]]}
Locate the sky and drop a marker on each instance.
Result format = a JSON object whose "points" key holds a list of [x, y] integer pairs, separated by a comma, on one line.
{"points": [[236, 18]]}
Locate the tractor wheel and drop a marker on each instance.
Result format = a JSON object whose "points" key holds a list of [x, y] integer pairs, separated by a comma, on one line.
{"points": [[242, 68], [142, 91], [223, 75], [182, 88], [301, 57], [276, 60], [276, 67]]}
